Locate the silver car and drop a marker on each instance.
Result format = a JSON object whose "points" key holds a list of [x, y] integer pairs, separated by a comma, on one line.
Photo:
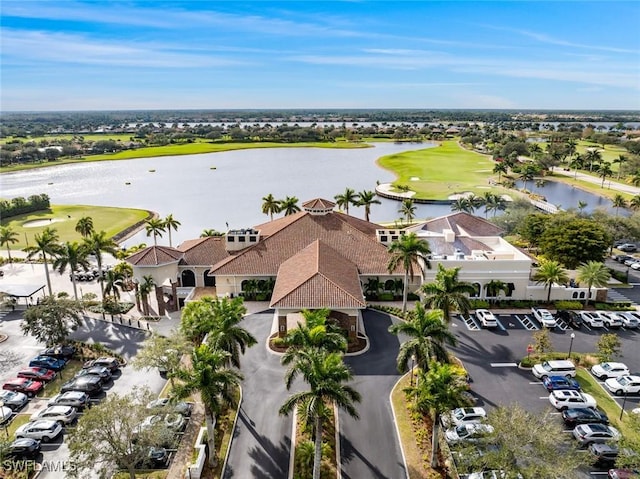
{"points": [[62, 414]]}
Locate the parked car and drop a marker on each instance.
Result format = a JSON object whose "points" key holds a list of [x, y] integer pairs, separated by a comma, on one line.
{"points": [[623, 385], [24, 386], [569, 399], [630, 261], [60, 351], [157, 458], [628, 247], [63, 414], [39, 374], [623, 474], [554, 368], [609, 370], [181, 407], [468, 432], [610, 319], [24, 448], [603, 454], [173, 421], [463, 415], [583, 415], [621, 258], [486, 318], [587, 434], [92, 385], [6, 413], [43, 430], [47, 362], [76, 399], [12, 399], [571, 318], [630, 319], [553, 383], [110, 363], [545, 317], [100, 371], [593, 320]]}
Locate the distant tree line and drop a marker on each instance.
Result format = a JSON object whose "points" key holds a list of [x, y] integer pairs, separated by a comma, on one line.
{"points": [[20, 205]]}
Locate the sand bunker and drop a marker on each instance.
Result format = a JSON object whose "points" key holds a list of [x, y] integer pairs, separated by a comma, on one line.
{"points": [[38, 223]]}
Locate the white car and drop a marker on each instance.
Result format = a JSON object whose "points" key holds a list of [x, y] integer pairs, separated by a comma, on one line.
{"points": [[487, 318], [587, 434], [63, 414], [592, 319], [568, 399], [43, 430], [463, 415], [172, 421], [490, 475], [5, 414], [623, 385], [610, 319], [545, 317], [630, 319], [470, 432], [609, 370]]}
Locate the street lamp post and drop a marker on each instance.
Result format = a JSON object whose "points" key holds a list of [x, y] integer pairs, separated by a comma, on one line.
{"points": [[573, 336], [624, 402]]}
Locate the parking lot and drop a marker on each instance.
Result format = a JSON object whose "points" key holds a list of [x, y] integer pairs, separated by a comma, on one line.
{"points": [[491, 357]]}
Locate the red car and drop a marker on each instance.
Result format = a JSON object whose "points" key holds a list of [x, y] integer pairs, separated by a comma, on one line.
{"points": [[24, 385], [39, 374]]}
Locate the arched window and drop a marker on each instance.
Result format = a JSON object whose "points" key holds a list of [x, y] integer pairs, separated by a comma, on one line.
{"points": [[188, 278], [209, 280]]}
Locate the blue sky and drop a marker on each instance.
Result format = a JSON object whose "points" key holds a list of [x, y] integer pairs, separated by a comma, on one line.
{"points": [[103, 55]]}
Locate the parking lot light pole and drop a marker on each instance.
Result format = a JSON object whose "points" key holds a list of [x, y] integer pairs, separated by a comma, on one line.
{"points": [[624, 401], [573, 336]]}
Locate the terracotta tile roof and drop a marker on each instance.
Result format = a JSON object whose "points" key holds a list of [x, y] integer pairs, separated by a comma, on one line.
{"points": [[155, 256], [203, 251], [318, 203], [354, 238], [317, 277], [460, 223]]}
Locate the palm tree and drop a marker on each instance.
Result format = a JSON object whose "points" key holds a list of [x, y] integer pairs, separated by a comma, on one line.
{"points": [[349, 197], [367, 198], [289, 205], [114, 281], [576, 163], [316, 332], [74, 256], [206, 233], [144, 290], [84, 226], [619, 202], [407, 210], [582, 205], [97, 244], [491, 203], [155, 227], [170, 223], [407, 251], [595, 274], [215, 382], [494, 287], [462, 204], [527, 175], [427, 335], [326, 374], [593, 156], [46, 243], [226, 335], [620, 160], [604, 170], [8, 237], [634, 203], [448, 293], [549, 273], [439, 389], [500, 168], [270, 206]]}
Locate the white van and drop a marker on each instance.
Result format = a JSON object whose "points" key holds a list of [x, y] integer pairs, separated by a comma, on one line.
{"points": [[554, 368]]}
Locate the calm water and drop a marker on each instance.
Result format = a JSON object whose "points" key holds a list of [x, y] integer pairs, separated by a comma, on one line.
{"points": [[204, 198]]}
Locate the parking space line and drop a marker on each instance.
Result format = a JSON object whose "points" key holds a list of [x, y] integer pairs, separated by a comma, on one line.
{"points": [[586, 326], [470, 323], [500, 324], [605, 328], [562, 325], [504, 365], [527, 323]]}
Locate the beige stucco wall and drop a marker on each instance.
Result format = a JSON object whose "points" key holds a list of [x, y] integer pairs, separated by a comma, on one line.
{"points": [[160, 274]]}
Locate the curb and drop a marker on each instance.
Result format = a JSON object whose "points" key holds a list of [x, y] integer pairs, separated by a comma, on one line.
{"points": [[233, 428], [395, 423]]}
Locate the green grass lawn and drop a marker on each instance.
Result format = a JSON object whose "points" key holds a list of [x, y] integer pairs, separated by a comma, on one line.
{"points": [[69, 371], [437, 173], [64, 218], [17, 421]]}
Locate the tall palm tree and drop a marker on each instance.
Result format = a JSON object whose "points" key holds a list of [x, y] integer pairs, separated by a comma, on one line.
{"points": [[635, 179], [604, 171], [367, 198], [170, 223], [206, 233], [500, 168], [462, 204], [8, 237], [407, 210], [72, 255], [215, 382], [144, 290], [46, 244], [593, 273], [96, 244], [491, 202], [113, 282], [226, 335], [448, 293], [427, 335], [494, 287], [527, 175], [271, 206], [326, 375], [620, 160], [316, 332], [439, 389], [634, 203], [84, 226], [593, 156], [618, 202], [155, 227], [343, 200], [576, 163], [549, 273], [407, 251], [289, 205]]}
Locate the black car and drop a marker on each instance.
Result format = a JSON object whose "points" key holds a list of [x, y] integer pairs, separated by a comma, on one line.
{"points": [[90, 384], [583, 415], [100, 371], [60, 351], [621, 258], [110, 363], [24, 447], [603, 455], [571, 318]]}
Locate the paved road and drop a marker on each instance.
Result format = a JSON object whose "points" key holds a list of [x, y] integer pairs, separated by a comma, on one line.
{"points": [[369, 446], [611, 185]]}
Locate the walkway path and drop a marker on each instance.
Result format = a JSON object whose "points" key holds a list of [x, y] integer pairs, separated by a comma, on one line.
{"points": [[611, 185]]}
